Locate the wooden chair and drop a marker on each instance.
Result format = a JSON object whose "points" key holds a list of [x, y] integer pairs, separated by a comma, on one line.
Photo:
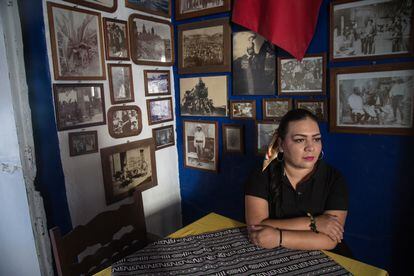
{"points": [[100, 230]]}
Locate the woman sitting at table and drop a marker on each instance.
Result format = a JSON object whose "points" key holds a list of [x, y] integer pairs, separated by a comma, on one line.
{"points": [[297, 200]]}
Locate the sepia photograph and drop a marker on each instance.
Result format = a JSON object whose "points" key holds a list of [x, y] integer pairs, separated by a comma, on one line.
{"points": [[128, 167], [83, 142], [200, 145], [243, 109], [193, 8], [306, 77], [116, 39], [79, 105], [264, 133], [157, 7], [233, 138], [103, 5], [376, 99], [76, 42], [204, 47], [151, 40], [160, 110], [275, 109], [371, 29], [253, 65], [163, 137], [157, 82], [121, 85], [317, 107], [203, 96], [124, 121]]}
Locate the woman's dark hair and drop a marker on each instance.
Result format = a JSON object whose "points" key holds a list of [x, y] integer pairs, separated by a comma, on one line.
{"points": [[291, 116]]}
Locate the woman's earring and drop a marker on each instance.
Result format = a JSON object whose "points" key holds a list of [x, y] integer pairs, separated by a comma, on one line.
{"points": [[321, 155]]}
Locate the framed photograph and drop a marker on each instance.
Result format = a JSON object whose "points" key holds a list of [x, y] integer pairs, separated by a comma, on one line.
{"points": [[233, 138], [79, 105], [159, 110], [163, 137], [317, 107], [128, 167], [124, 121], [157, 7], [204, 47], [157, 82], [192, 8], [151, 40], [264, 134], [306, 77], [200, 145], [76, 42], [121, 85], [371, 29], [203, 96], [83, 142], [375, 99], [103, 5], [243, 109], [275, 109], [116, 39], [254, 64]]}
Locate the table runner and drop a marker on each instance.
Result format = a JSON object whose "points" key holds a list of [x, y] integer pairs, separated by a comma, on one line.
{"points": [[225, 252]]}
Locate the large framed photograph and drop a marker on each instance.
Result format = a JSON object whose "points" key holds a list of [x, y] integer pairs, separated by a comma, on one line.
{"points": [[254, 64], [233, 138], [264, 134], [121, 85], [163, 137], [159, 110], [192, 8], [306, 77], [79, 105], [204, 47], [128, 167], [76, 42], [103, 5], [124, 121], [152, 40], [371, 29], [243, 109], [200, 145], [116, 39], [275, 109], [157, 7], [317, 107], [157, 82], [83, 142], [373, 99], [203, 96]]}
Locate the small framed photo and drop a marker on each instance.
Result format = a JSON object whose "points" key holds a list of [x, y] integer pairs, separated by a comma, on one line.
{"points": [[121, 85], [116, 39], [157, 82], [233, 138], [83, 142], [370, 29], [105, 5], [200, 145], [128, 167], [204, 47], [275, 109], [152, 40], [317, 107], [254, 65], [79, 105], [204, 96], [124, 121], [76, 42], [375, 99], [163, 137], [189, 8], [157, 7], [243, 109], [159, 110], [306, 77], [264, 134]]}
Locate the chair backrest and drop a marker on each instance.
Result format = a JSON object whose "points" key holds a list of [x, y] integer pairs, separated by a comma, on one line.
{"points": [[100, 231]]}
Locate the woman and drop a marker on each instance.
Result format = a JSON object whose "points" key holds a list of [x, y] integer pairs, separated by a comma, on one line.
{"points": [[297, 200]]}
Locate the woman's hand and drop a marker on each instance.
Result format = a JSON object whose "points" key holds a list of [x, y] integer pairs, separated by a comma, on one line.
{"points": [[330, 226], [263, 236]]}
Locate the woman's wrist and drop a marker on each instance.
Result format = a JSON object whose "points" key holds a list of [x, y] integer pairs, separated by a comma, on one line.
{"points": [[280, 237]]}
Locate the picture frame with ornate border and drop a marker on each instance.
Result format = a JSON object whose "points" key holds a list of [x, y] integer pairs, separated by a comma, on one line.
{"points": [[275, 109], [83, 142], [121, 84], [106, 5], [189, 8], [75, 62], [157, 7], [124, 121], [317, 106], [210, 37], [116, 39], [243, 109], [163, 137], [233, 138], [264, 134], [128, 167], [157, 83], [160, 110]]}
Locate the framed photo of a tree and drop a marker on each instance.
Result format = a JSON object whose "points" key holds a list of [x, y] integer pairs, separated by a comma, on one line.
{"points": [[157, 7], [192, 8]]}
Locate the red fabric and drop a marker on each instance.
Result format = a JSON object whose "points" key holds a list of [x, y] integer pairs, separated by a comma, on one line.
{"points": [[289, 24]]}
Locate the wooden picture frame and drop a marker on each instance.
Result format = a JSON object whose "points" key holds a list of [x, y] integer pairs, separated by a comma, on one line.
{"points": [[121, 84], [79, 105], [116, 39], [163, 137], [128, 167], [374, 99], [83, 142], [203, 153], [243, 109], [264, 134], [206, 36], [83, 60], [124, 121], [159, 7], [233, 138], [184, 9], [107, 5], [151, 40], [275, 109], [316, 106], [160, 110], [157, 82]]}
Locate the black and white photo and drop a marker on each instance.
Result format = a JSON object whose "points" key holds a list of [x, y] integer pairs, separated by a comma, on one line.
{"points": [[116, 39], [157, 82], [233, 138], [121, 85], [192, 8], [124, 121], [243, 109], [157, 7], [159, 110], [275, 109], [104, 5], [163, 137], [83, 142], [317, 107], [264, 133]]}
